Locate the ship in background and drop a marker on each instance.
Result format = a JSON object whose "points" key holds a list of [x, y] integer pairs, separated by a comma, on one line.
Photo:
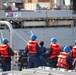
{"points": [[45, 18]]}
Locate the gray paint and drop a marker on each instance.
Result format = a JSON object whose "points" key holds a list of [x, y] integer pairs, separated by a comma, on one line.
{"points": [[2, 14], [64, 35], [13, 1], [41, 14]]}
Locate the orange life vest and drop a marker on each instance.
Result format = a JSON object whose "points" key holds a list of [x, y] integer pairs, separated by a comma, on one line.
{"points": [[62, 60], [55, 50], [74, 52], [4, 50], [32, 47]]}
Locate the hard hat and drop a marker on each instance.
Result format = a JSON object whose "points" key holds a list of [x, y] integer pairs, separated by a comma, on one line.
{"points": [[53, 40], [66, 49], [33, 37], [5, 40]]}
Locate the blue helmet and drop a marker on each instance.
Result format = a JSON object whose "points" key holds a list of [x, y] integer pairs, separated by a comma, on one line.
{"points": [[66, 49], [33, 37], [5, 40], [53, 40]]}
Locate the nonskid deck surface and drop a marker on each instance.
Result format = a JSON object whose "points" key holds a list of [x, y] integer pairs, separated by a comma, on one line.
{"points": [[40, 71]]}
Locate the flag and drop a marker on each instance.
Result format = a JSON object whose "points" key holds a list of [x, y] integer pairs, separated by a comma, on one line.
{"points": [[15, 14]]}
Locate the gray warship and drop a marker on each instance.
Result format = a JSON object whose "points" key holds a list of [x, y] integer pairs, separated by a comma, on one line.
{"points": [[18, 25]]}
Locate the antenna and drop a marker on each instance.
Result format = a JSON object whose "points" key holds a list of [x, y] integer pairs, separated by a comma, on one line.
{"points": [[32, 32]]}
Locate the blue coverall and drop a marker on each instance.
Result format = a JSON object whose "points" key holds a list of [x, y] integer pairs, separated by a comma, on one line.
{"points": [[42, 58], [33, 60], [52, 62], [6, 62]]}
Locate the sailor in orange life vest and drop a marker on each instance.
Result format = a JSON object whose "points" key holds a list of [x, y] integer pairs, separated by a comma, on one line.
{"points": [[53, 52], [5, 54], [64, 59], [33, 52], [74, 56]]}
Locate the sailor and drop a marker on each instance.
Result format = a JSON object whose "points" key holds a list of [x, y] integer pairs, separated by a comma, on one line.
{"points": [[64, 59], [32, 50], [74, 56], [53, 52], [5, 54], [42, 58]]}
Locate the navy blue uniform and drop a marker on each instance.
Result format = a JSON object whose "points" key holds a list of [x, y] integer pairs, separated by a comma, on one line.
{"points": [[6, 62], [42, 58], [33, 58]]}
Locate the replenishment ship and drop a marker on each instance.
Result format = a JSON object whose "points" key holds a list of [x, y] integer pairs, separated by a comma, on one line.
{"points": [[45, 18]]}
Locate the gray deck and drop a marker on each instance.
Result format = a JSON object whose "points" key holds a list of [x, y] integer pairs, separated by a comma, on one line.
{"points": [[40, 71]]}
